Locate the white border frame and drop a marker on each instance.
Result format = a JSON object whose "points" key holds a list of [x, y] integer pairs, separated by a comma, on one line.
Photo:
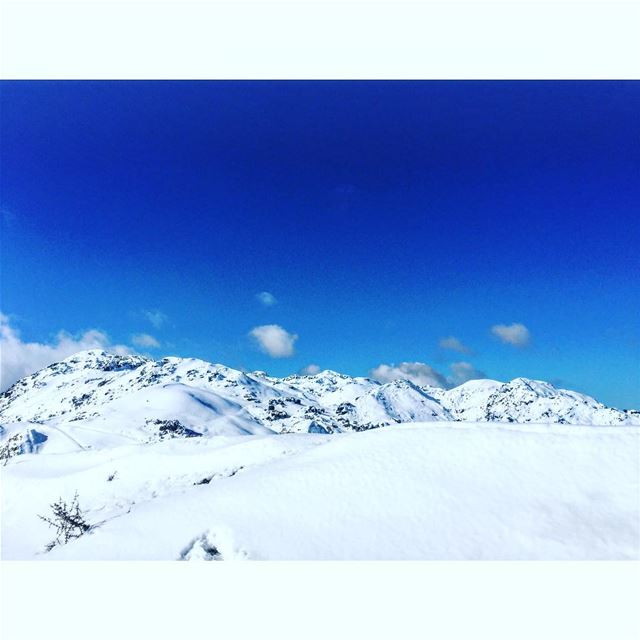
{"points": [[308, 39], [316, 40]]}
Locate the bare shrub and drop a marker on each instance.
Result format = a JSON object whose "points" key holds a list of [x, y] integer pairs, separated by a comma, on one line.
{"points": [[68, 520]]}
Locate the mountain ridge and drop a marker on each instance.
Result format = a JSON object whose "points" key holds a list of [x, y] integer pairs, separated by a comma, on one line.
{"points": [[130, 397]]}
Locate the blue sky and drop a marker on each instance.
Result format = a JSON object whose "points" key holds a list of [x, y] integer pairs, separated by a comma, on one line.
{"points": [[382, 217]]}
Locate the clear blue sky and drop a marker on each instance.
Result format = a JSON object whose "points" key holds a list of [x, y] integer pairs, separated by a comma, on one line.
{"points": [[382, 217]]}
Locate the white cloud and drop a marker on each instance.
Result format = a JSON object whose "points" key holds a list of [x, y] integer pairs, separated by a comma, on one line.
{"points": [[423, 374], [464, 371], [145, 340], [452, 343], [309, 370], [266, 298], [515, 334], [274, 340], [417, 372], [19, 359], [155, 317]]}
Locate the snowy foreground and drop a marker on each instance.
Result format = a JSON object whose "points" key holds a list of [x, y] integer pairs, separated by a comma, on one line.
{"points": [[427, 491]]}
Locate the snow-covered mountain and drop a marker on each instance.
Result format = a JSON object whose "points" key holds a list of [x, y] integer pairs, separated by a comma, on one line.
{"points": [[95, 399], [523, 401], [129, 435]]}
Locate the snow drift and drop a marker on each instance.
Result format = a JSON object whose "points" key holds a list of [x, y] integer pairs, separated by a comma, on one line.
{"points": [[416, 492]]}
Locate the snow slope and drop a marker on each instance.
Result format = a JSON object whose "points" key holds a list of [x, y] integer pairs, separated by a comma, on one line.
{"points": [[183, 459], [421, 491]]}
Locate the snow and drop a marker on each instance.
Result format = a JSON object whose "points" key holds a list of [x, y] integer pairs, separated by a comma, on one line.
{"points": [[94, 385], [401, 401], [417, 491], [187, 460]]}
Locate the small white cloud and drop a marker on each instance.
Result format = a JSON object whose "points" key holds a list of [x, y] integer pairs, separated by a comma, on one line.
{"points": [[266, 298], [274, 340], [464, 371], [515, 334], [453, 344], [155, 317], [309, 370], [417, 372], [19, 359], [145, 340]]}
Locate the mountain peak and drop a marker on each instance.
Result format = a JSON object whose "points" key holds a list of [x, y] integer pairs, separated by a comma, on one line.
{"points": [[99, 358], [86, 354], [479, 384]]}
